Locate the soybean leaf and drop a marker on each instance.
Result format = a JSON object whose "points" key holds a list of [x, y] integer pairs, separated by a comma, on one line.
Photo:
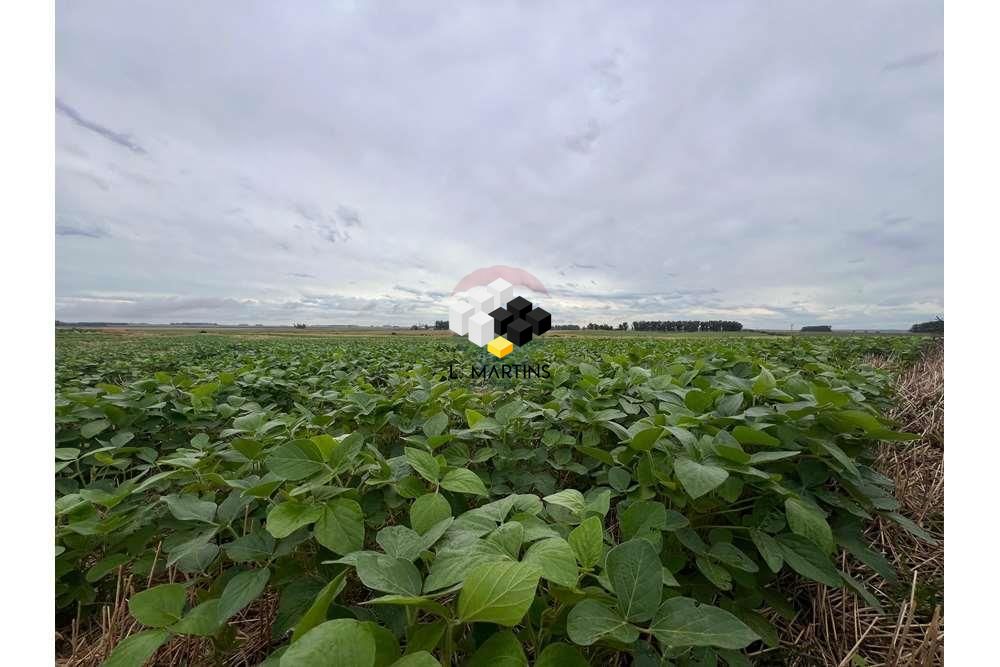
{"points": [[769, 549], [698, 479], [571, 499], [338, 642], [287, 517], [241, 590], [590, 621], [561, 655], [502, 649], [389, 575], [803, 556], [635, 573], [682, 621], [316, 613], [340, 528], [555, 559], [587, 541], [498, 593], [808, 521], [158, 606], [463, 480], [428, 510], [423, 463], [136, 650], [202, 621]]}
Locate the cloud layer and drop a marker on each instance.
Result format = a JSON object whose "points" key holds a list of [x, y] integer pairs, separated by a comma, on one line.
{"points": [[349, 162]]}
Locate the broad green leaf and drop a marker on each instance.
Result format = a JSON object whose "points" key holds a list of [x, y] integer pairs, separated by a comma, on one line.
{"points": [[763, 383], [386, 645], [641, 517], [809, 522], [158, 606], [634, 570], [105, 566], [646, 438], [341, 526], [556, 560], [697, 478], [587, 541], [463, 480], [436, 424], [561, 655], [287, 517], [400, 542], [90, 429], [428, 510], [316, 613], [295, 460], [733, 556], [136, 650], [339, 642], [752, 436], [682, 621], [498, 593], [502, 649], [423, 463], [241, 590], [571, 499], [189, 507], [418, 659], [590, 621], [257, 546], [769, 549], [389, 575], [803, 556], [202, 621], [715, 573]]}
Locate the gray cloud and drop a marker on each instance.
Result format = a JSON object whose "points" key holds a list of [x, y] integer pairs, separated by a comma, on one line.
{"points": [[85, 231], [912, 61], [583, 141], [637, 163], [119, 138]]}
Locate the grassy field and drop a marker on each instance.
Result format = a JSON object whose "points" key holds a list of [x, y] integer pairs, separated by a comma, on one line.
{"points": [[335, 497]]}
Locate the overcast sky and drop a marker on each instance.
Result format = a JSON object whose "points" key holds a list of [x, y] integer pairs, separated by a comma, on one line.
{"points": [[774, 163]]}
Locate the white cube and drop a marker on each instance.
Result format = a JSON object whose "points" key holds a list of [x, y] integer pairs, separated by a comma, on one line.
{"points": [[481, 329], [458, 317], [481, 298], [502, 292]]}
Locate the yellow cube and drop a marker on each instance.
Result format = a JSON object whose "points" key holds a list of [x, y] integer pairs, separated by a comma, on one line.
{"points": [[500, 347]]}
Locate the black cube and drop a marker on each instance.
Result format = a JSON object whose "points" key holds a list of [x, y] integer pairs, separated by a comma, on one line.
{"points": [[519, 306], [540, 321], [501, 318], [519, 332]]}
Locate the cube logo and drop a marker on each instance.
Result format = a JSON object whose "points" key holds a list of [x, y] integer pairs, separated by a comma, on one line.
{"points": [[491, 315]]}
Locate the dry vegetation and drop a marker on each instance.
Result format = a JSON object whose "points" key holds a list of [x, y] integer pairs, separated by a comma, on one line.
{"points": [[842, 629]]}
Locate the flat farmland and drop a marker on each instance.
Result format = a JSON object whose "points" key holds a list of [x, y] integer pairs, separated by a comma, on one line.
{"points": [[368, 498]]}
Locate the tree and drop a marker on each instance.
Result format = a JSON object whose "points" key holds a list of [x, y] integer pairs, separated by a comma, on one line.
{"points": [[934, 326]]}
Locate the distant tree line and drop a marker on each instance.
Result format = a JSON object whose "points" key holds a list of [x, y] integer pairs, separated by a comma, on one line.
{"points": [[299, 325], [687, 325], [440, 325], [566, 327], [934, 326], [817, 327]]}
